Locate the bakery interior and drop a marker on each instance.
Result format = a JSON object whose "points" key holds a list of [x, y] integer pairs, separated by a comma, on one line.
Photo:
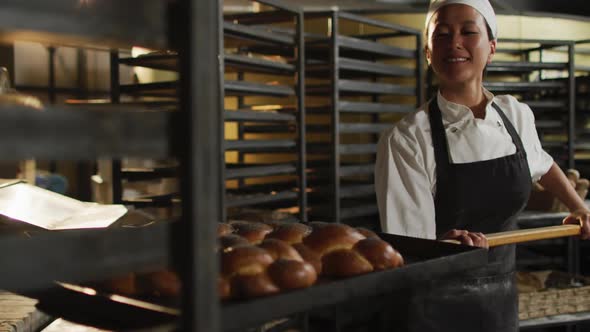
{"points": [[172, 165]]}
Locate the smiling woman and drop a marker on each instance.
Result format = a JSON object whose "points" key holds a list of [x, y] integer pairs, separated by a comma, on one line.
{"points": [[459, 47], [462, 166]]}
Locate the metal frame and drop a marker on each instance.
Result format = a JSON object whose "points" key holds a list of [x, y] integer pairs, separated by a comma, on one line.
{"points": [[200, 105], [241, 35], [292, 43], [342, 68], [82, 133]]}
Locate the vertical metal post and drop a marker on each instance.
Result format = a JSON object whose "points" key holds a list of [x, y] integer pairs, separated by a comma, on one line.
{"points": [[573, 255], [51, 88], [301, 132], [572, 106], [82, 75], [84, 170], [117, 185], [335, 162], [241, 131], [540, 61], [200, 145], [221, 126], [375, 117], [51, 92], [419, 70]]}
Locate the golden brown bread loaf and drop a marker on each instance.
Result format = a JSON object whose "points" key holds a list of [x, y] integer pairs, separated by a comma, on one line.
{"points": [[290, 232], [367, 232], [244, 260], [345, 251], [280, 250], [270, 267], [327, 237], [231, 240], [254, 232], [254, 285], [379, 253], [309, 256], [290, 274], [345, 263]]}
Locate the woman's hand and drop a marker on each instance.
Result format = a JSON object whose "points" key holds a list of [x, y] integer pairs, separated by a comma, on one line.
{"points": [[580, 217], [468, 238]]}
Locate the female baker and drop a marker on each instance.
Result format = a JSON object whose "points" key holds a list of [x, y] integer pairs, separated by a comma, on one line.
{"points": [[462, 166]]}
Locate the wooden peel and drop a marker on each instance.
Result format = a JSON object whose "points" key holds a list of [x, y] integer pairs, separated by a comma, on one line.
{"points": [[531, 234]]}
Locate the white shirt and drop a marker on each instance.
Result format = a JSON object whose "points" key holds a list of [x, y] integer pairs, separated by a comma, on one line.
{"points": [[405, 170]]}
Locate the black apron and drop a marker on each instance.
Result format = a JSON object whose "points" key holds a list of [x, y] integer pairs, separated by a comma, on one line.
{"points": [[483, 196]]}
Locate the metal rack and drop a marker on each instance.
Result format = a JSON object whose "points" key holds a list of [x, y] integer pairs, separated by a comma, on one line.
{"points": [[363, 83], [81, 133], [544, 80], [582, 148], [193, 134], [266, 90]]}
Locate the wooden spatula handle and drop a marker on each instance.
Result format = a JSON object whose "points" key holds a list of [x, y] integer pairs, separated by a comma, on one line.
{"points": [[531, 234]]}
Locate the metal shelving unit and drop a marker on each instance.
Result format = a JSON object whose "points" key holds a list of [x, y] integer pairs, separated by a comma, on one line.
{"points": [[82, 133], [363, 83], [194, 135], [253, 81], [542, 76], [582, 148]]}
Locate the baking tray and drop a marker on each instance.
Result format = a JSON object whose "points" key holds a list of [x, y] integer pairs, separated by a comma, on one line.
{"points": [[425, 260]]}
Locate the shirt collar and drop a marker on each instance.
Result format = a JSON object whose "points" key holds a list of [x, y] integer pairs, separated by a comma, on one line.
{"points": [[453, 112]]}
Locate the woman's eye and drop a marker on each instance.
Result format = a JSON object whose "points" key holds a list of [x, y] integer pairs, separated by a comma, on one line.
{"points": [[470, 32]]}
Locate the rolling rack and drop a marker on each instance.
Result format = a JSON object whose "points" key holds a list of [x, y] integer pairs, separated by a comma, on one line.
{"points": [[80, 133], [193, 135], [363, 83], [582, 157], [263, 92]]}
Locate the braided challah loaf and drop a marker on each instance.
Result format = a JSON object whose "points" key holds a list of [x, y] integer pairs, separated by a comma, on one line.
{"points": [[259, 259], [299, 253], [274, 265], [254, 232], [345, 251]]}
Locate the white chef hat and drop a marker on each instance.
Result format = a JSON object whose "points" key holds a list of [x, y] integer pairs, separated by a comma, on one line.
{"points": [[482, 6]]}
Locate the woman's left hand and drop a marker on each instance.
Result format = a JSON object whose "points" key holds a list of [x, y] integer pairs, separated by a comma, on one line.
{"points": [[580, 217]]}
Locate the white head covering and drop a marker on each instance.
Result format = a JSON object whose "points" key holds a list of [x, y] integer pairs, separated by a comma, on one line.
{"points": [[482, 6]]}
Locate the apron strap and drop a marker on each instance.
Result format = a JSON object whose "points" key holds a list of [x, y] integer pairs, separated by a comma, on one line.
{"points": [[511, 131], [439, 140]]}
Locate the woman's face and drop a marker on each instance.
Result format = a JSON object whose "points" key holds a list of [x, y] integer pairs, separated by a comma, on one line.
{"points": [[458, 47]]}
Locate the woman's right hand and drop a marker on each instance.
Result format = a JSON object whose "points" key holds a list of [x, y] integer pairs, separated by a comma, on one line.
{"points": [[474, 239]]}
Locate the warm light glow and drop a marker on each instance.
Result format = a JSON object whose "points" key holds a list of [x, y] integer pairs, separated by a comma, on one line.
{"points": [[88, 101], [85, 3], [85, 290], [137, 51], [266, 107], [143, 304]]}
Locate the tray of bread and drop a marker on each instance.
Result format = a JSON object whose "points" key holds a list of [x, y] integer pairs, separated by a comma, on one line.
{"points": [[272, 270]]}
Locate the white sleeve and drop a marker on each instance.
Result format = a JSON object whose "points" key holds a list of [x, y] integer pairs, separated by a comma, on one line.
{"points": [[539, 160], [403, 188]]}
